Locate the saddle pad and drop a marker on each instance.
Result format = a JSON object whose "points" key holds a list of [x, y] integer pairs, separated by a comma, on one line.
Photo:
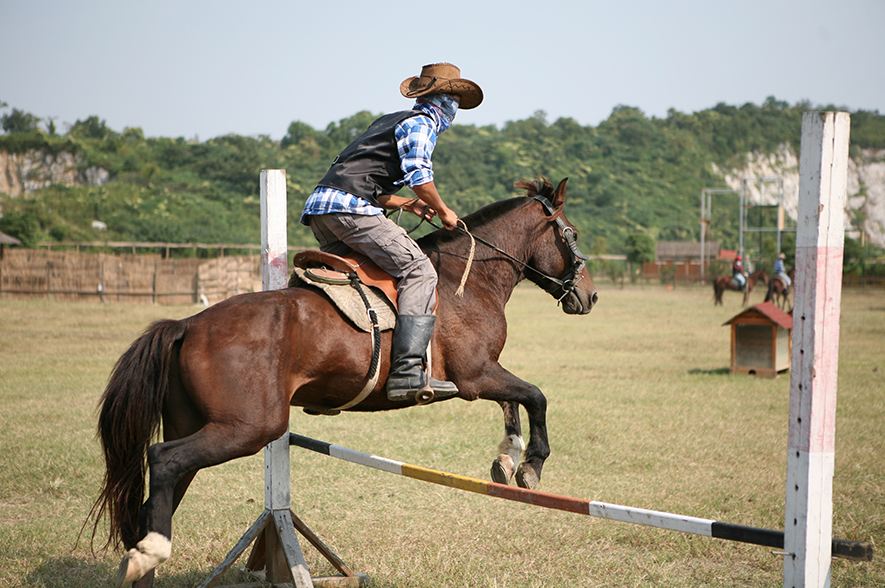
{"points": [[348, 301]]}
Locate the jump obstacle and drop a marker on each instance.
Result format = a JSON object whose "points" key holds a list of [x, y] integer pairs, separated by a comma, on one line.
{"points": [[853, 550], [807, 541]]}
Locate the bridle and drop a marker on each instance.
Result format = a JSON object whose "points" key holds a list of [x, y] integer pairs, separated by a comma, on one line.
{"points": [[569, 280], [560, 287]]}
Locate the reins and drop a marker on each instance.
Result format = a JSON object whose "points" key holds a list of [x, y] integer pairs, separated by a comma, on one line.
{"points": [[569, 280]]}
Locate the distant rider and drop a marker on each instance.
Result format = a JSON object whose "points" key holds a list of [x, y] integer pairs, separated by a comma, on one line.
{"points": [[737, 273], [780, 272]]}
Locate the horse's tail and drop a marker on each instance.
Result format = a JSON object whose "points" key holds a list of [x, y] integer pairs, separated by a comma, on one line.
{"points": [[131, 409], [717, 291], [769, 293]]}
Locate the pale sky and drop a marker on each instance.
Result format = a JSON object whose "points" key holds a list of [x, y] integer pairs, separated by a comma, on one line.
{"points": [[206, 68]]}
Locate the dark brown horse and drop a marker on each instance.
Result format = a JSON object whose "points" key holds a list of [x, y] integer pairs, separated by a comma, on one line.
{"points": [[723, 283], [222, 381], [779, 292]]}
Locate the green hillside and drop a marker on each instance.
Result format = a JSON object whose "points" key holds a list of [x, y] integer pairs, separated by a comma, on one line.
{"points": [[630, 174]]}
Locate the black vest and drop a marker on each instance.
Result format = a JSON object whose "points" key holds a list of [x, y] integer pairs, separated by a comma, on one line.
{"points": [[370, 165]]}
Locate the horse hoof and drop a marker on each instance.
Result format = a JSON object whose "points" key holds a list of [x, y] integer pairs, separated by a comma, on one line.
{"points": [[502, 469], [526, 477], [147, 554], [128, 571]]}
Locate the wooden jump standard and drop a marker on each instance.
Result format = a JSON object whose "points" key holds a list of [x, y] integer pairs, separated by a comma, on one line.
{"points": [[627, 514]]}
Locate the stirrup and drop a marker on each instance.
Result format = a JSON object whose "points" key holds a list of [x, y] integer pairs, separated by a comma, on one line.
{"points": [[437, 390]]}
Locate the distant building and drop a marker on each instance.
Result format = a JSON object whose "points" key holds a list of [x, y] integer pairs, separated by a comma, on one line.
{"points": [[685, 251], [7, 240]]}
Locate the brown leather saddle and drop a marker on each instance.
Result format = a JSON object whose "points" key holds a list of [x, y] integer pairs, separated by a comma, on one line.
{"points": [[338, 269]]}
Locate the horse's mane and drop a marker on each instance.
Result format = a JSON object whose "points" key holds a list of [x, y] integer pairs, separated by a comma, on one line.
{"points": [[539, 186]]}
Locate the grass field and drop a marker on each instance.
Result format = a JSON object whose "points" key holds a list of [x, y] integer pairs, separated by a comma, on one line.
{"points": [[642, 412]]}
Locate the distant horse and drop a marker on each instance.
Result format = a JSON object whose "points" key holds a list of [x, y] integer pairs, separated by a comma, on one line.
{"points": [[723, 283], [222, 381], [779, 292]]}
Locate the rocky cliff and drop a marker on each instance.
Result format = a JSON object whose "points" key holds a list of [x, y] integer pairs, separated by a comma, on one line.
{"points": [[32, 170], [865, 210]]}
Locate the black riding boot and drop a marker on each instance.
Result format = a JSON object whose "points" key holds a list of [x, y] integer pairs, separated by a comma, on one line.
{"points": [[407, 377]]}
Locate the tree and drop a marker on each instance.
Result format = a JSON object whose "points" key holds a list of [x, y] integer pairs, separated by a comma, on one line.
{"points": [[19, 121], [91, 128], [300, 131], [640, 248]]}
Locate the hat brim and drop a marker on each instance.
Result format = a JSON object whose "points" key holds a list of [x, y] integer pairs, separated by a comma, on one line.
{"points": [[469, 93]]}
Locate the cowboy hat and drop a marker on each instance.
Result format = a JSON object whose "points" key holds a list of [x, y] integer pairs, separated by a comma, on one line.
{"points": [[443, 78], [781, 256]]}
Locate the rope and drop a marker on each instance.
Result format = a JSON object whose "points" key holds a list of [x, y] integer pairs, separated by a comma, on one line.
{"points": [[460, 291]]}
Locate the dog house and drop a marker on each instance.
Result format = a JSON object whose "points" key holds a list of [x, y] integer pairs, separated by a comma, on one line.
{"points": [[760, 340]]}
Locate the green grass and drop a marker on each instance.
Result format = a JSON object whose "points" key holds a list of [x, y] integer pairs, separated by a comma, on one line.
{"points": [[641, 412]]}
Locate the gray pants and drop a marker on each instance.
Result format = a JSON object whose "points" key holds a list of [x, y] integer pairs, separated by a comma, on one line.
{"points": [[387, 244]]}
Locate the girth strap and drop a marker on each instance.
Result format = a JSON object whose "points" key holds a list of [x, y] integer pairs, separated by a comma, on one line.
{"points": [[376, 347]]}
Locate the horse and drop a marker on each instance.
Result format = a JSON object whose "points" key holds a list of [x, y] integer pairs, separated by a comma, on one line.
{"points": [[779, 292], [222, 381], [723, 283]]}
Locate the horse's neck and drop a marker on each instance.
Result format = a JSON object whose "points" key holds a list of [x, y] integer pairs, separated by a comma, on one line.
{"points": [[492, 276]]}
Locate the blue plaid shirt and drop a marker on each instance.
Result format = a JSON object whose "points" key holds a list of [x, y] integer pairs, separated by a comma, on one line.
{"points": [[415, 140]]}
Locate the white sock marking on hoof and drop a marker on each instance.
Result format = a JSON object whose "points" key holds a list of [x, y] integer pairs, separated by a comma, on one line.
{"points": [[512, 445], [147, 554]]}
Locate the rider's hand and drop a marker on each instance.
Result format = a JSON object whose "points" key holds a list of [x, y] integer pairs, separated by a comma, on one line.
{"points": [[420, 209], [449, 218]]}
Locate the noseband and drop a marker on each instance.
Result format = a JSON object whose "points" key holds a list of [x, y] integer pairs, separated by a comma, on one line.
{"points": [[569, 280]]}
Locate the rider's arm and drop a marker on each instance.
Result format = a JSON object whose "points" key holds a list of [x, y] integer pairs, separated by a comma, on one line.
{"points": [[430, 196], [416, 139], [413, 205], [394, 201]]}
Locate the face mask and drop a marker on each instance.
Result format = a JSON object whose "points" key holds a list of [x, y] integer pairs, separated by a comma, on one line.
{"points": [[445, 105]]}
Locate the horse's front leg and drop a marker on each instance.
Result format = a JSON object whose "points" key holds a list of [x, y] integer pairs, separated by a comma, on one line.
{"points": [[501, 386], [511, 447]]}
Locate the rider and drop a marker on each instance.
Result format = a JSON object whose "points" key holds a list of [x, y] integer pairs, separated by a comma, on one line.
{"points": [[345, 210], [780, 272], [737, 273]]}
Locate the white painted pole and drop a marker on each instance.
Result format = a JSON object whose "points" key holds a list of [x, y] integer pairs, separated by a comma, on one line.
{"points": [[274, 242], [277, 497], [823, 172], [274, 269], [703, 230]]}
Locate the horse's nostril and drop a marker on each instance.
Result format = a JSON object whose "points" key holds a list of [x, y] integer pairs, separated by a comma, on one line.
{"points": [[593, 298]]}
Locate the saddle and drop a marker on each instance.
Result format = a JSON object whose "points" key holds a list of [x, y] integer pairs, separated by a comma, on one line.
{"points": [[372, 309], [342, 279], [339, 267]]}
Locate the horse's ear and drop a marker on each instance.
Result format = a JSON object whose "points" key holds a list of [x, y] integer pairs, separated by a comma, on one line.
{"points": [[559, 194]]}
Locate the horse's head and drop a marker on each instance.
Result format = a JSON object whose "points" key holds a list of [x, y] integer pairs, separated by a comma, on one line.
{"points": [[555, 262]]}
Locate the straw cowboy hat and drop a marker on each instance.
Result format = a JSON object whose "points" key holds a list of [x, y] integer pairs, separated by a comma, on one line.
{"points": [[443, 78]]}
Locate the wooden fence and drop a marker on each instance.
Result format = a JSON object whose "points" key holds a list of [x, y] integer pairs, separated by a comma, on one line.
{"points": [[69, 275]]}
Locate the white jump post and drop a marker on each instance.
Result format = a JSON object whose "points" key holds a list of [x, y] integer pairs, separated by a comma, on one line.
{"points": [[284, 560], [808, 522], [276, 550]]}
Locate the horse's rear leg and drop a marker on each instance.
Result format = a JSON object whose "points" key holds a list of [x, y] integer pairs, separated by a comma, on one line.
{"points": [[172, 465], [511, 447]]}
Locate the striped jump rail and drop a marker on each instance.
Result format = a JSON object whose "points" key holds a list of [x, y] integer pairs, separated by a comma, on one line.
{"points": [[854, 550]]}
